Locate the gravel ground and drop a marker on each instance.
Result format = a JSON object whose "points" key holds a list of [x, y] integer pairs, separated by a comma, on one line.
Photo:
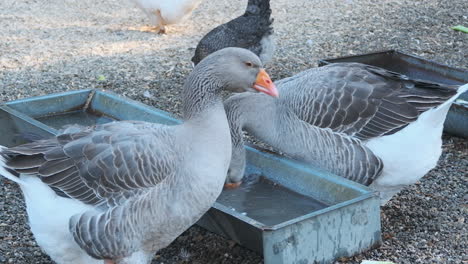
{"points": [[59, 45]]}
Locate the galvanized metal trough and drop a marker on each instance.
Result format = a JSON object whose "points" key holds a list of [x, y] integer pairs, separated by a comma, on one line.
{"points": [[419, 68], [288, 212]]}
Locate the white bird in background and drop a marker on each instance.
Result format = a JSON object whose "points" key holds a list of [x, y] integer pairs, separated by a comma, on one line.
{"points": [[165, 12]]}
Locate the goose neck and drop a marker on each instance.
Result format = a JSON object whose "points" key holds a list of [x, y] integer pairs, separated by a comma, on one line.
{"points": [[249, 112], [200, 93]]}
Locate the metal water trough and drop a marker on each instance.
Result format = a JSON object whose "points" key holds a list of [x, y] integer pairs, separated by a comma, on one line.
{"points": [[344, 221], [419, 68]]}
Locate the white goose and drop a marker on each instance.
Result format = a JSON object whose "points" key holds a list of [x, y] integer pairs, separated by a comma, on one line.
{"points": [[362, 122], [165, 12], [121, 191]]}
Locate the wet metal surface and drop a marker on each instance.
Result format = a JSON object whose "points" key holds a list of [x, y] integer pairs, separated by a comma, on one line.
{"points": [[268, 202], [80, 117]]}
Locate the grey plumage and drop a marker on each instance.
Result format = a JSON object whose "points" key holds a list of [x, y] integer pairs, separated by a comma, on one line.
{"points": [[115, 166], [251, 31], [325, 115], [360, 100], [98, 163]]}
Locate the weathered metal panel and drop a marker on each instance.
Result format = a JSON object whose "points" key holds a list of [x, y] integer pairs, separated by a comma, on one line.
{"points": [[324, 238], [237, 227], [457, 119], [51, 104], [123, 109], [15, 127]]}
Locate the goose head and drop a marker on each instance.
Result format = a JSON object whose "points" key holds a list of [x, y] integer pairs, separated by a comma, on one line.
{"points": [[237, 70], [230, 69]]}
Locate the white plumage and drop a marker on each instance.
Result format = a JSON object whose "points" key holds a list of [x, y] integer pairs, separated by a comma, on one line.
{"points": [[412, 152], [166, 12], [48, 216]]}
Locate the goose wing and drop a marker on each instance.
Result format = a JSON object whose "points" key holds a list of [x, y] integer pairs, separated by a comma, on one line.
{"points": [[360, 100], [115, 166], [99, 165], [336, 152]]}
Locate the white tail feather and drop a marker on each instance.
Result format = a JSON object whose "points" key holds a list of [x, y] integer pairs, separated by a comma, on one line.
{"points": [[452, 99], [4, 172], [462, 89]]}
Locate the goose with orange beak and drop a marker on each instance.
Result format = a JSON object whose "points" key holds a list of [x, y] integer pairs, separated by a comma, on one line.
{"points": [[265, 85], [117, 193]]}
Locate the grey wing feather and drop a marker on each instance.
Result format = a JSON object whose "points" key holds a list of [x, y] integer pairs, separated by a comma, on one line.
{"points": [[360, 100], [126, 181], [98, 164], [335, 152], [113, 165], [116, 232]]}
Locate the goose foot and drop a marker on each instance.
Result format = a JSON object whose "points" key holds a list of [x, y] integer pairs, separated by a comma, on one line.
{"points": [[232, 185], [108, 261], [159, 30]]}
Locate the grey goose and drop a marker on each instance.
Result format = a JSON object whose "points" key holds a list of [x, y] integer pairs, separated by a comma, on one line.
{"points": [[119, 192], [372, 126], [252, 31]]}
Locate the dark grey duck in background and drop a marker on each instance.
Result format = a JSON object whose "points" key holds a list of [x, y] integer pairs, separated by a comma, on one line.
{"points": [[252, 31]]}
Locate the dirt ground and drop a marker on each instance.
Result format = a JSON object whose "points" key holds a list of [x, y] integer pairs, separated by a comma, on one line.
{"points": [[60, 45]]}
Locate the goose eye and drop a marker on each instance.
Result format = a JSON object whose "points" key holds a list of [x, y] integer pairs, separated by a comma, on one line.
{"points": [[248, 64]]}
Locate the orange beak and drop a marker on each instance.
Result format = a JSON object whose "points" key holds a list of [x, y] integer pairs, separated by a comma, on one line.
{"points": [[232, 185], [265, 85]]}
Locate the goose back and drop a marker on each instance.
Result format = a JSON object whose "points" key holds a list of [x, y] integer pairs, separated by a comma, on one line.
{"points": [[360, 100]]}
